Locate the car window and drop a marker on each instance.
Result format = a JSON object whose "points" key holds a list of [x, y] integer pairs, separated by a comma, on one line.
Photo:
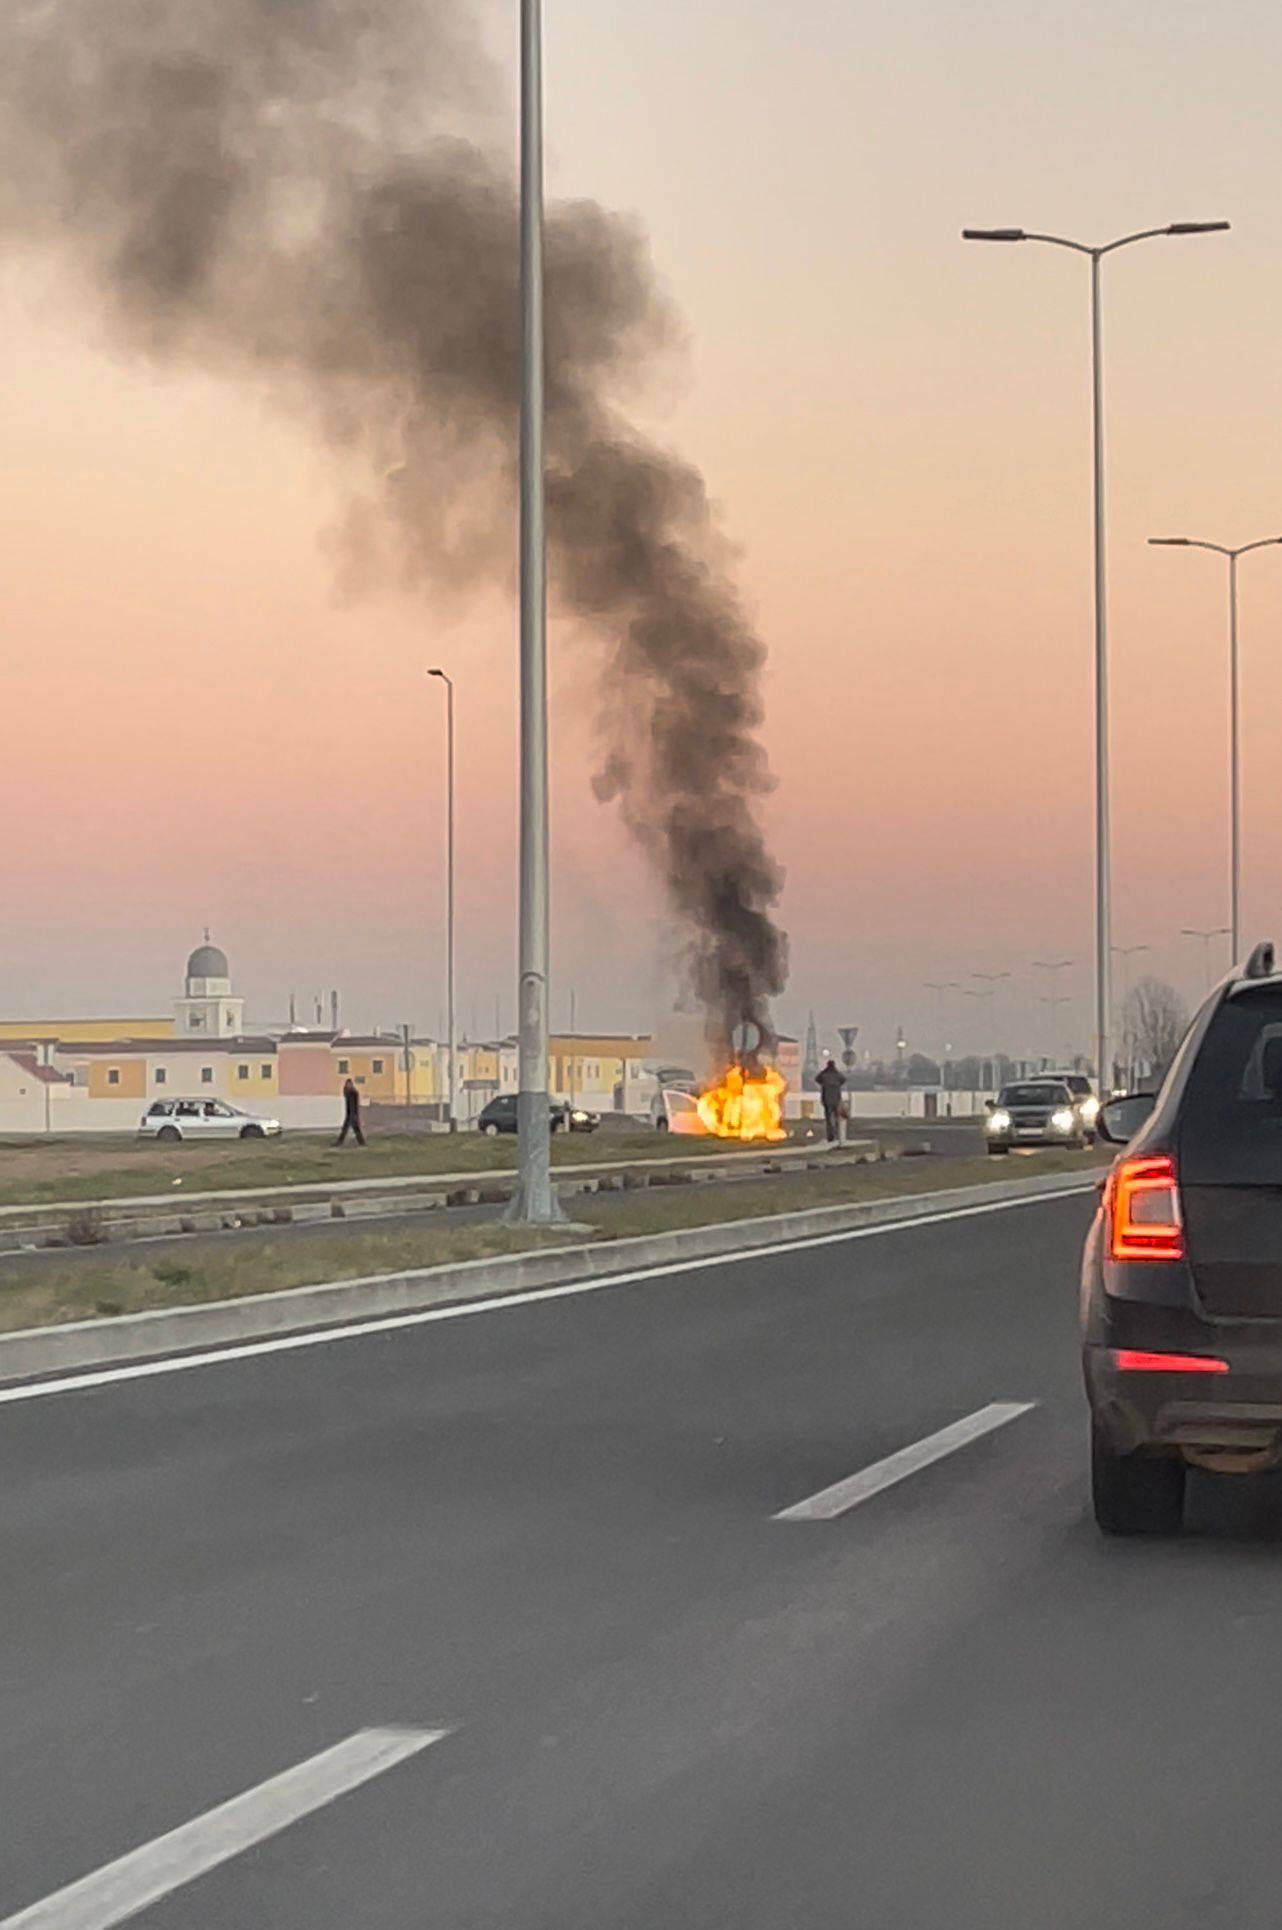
{"points": [[1033, 1095], [160, 1109], [1230, 1125], [188, 1109], [1078, 1086]]}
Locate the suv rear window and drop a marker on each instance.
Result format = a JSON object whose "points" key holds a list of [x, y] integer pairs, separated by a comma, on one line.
{"points": [[1231, 1113], [1043, 1095]]}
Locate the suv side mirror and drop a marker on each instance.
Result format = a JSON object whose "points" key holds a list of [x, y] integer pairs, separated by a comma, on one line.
{"points": [[1120, 1120]]}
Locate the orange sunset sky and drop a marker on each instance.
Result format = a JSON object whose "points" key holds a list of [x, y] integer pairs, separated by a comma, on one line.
{"points": [[199, 731]]}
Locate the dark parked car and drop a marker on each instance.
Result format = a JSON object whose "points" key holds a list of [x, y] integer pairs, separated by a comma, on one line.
{"points": [[500, 1117], [1035, 1112], [1182, 1275]]}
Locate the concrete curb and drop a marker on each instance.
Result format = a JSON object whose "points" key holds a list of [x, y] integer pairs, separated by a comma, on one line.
{"points": [[143, 1336]]}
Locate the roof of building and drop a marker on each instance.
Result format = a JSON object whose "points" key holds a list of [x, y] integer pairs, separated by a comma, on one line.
{"points": [[208, 961], [45, 1075], [161, 1048]]}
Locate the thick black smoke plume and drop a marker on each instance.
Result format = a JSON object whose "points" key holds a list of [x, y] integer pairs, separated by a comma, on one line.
{"points": [[314, 194]]}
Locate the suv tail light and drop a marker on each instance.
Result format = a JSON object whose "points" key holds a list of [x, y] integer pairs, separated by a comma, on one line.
{"points": [[1144, 1210]]}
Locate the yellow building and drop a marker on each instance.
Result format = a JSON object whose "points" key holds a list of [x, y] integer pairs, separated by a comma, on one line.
{"points": [[83, 1031]]}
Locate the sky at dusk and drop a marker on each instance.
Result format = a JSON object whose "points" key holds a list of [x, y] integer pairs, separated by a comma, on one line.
{"points": [[201, 729]]}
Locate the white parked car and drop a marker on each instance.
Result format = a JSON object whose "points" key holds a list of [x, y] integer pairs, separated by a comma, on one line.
{"points": [[202, 1119]]}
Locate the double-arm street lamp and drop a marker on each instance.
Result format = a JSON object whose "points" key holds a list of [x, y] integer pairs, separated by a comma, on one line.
{"points": [[1235, 759], [1103, 1001], [1206, 934]]}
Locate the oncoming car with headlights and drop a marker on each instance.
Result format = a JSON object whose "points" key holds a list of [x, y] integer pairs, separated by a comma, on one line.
{"points": [[1034, 1112], [1084, 1096]]}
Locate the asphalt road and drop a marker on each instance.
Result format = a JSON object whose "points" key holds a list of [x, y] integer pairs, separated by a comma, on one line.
{"points": [[548, 1529]]}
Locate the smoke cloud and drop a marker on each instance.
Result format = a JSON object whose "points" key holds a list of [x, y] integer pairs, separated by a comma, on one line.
{"points": [[318, 197]]}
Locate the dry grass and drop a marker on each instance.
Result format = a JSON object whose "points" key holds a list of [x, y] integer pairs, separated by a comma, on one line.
{"points": [[36, 1170], [219, 1269]]}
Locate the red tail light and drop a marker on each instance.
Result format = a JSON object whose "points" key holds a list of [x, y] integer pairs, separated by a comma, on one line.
{"points": [[1132, 1361], [1144, 1210]]}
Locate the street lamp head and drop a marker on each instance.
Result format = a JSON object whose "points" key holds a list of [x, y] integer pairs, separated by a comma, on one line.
{"points": [[1169, 542], [1197, 227], [436, 673], [994, 234]]}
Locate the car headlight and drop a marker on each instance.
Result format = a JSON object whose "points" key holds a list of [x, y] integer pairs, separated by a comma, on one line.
{"points": [[1062, 1120], [999, 1121], [579, 1118], [1090, 1109]]}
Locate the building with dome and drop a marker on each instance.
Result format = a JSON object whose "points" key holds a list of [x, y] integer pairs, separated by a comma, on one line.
{"points": [[207, 1008]]}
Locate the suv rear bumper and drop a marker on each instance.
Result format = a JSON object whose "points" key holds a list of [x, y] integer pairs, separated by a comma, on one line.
{"points": [[1240, 1410]]}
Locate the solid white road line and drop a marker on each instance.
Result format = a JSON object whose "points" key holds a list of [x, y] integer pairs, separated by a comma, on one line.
{"points": [[119, 1890], [498, 1303], [844, 1495]]}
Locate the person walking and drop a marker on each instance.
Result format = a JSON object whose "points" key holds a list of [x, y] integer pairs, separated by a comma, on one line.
{"points": [[831, 1082], [351, 1114]]}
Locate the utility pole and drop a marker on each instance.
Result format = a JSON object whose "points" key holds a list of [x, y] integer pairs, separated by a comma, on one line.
{"points": [[533, 1202]]}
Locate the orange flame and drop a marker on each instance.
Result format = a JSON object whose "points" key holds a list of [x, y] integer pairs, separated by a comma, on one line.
{"points": [[745, 1105]]}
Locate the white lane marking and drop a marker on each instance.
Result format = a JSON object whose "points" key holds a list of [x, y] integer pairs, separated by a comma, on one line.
{"points": [[121, 1889], [496, 1303], [847, 1494]]}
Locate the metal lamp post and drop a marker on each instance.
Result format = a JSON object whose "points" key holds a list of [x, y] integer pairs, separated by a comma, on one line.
{"points": [[534, 1201], [1235, 713], [1126, 953], [991, 980], [1057, 998], [452, 1069], [1103, 879], [1206, 935], [946, 985]]}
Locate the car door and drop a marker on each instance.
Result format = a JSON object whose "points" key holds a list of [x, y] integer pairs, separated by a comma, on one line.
{"points": [[219, 1121], [188, 1119]]}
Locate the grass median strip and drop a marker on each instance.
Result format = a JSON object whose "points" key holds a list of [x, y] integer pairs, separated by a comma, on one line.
{"points": [[37, 1170], [96, 1284]]}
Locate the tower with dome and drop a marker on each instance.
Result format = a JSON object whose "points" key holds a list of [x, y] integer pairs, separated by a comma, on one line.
{"points": [[207, 1009]]}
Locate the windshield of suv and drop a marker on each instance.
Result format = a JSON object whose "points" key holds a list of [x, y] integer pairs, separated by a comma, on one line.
{"points": [[1231, 1118], [1033, 1095]]}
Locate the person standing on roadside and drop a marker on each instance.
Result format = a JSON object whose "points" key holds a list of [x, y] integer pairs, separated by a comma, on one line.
{"points": [[351, 1114], [831, 1083]]}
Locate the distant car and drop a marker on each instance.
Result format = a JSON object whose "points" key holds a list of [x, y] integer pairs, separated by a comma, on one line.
{"points": [[1181, 1300], [499, 1116], [580, 1120], [1035, 1112], [1085, 1097], [203, 1119]]}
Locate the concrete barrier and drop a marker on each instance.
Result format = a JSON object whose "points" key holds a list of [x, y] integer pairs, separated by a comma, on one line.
{"points": [[143, 1336]]}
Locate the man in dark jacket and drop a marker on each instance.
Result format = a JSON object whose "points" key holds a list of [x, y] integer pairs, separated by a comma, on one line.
{"points": [[351, 1114], [830, 1082]]}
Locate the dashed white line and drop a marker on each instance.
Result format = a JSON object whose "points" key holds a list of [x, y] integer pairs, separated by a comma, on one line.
{"points": [[847, 1494], [499, 1303], [121, 1889]]}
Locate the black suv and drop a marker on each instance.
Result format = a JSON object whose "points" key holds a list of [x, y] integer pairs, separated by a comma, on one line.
{"points": [[1181, 1299]]}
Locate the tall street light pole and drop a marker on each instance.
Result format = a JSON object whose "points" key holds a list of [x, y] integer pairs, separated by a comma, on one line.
{"points": [[534, 1201], [1235, 715], [991, 980], [1206, 935], [946, 985], [1126, 953], [1103, 873], [1057, 998], [452, 1067]]}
